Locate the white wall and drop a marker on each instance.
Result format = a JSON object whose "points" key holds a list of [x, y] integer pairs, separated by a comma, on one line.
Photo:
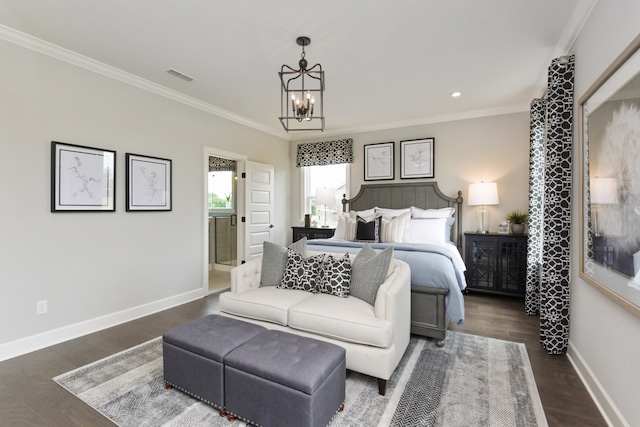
{"points": [[604, 338], [494, 148], [105, 266]]}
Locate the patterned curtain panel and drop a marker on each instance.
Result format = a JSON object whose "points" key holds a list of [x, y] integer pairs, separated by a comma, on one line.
{"points": [[554, 284], [537, 117], [220, 164], [325, 153]]}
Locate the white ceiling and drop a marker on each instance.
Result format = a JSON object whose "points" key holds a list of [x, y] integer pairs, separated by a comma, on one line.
{"points": [[387, 63]]}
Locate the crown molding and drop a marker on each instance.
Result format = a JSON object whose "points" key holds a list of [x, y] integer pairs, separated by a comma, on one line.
{"points": [[33, 43], [419, 122], [579, 17]]}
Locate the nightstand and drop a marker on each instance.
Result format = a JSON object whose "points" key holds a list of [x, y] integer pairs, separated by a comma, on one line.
{"points": [[312, 233], [496, 263]]}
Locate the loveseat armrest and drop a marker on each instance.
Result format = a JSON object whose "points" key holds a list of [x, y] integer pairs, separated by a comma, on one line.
{"points": [[246, 277], [393, 300]]}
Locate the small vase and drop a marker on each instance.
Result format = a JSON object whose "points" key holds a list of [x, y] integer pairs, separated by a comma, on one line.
{"points": [[517, 228]]}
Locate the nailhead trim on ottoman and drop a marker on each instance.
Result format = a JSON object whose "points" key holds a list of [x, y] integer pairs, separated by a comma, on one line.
{"points": [[282, 379], [193, 354]]}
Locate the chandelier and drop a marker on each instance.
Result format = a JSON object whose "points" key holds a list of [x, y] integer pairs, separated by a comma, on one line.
{"points": [[301, 98]]}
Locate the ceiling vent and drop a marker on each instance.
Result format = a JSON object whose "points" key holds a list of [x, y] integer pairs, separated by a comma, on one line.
{"points": [[180, 75]]}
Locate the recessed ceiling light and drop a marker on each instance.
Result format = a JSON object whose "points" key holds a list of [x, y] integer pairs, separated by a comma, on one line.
{"points": [[455, 94]]}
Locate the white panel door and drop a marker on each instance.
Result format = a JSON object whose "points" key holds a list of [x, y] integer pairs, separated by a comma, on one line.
{"points": [[258, 207]]}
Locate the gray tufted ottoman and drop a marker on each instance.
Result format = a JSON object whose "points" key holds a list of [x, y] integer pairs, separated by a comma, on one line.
{"points": [[282, 379], [193, 355]]}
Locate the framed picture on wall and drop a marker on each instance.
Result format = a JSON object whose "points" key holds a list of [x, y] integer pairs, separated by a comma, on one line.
{"points": [[610, 149], [148, 183], [378, 161], [416, 158], [83, 179]]}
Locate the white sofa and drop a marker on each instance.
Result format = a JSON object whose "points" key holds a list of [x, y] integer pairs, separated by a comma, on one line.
{"points": [[374, 337]]}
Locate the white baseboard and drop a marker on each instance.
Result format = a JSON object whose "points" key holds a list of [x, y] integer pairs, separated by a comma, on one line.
{"points": [[607, 407], [36, 342]]}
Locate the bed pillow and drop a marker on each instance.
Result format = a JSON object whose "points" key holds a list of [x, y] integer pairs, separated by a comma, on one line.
{"points": [[428, 230], [341, 227], [364, 214], [432, 213], [395, 230], [368, 272], [335, 276], [392, 213], [274, 260], [368, 231], [301, 273], [447, 229]]}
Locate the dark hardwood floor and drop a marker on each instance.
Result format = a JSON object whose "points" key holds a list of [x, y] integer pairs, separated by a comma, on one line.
{"points": [[28, 396]]}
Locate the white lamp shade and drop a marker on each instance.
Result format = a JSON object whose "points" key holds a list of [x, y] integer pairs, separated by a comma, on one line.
{"points": [[604, 191], [483, 193], [325, 196]]}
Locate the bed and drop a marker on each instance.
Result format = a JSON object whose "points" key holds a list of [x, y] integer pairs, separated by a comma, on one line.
{"points": [[437, 270]]}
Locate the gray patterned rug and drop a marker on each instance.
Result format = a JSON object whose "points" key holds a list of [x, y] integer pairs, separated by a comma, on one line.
{"points": [[471, 381]]}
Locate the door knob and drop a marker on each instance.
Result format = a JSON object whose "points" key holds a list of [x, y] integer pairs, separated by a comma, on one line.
{"points": [[270, 225]]}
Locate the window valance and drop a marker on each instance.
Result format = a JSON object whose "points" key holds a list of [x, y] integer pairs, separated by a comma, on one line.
{"points": [[325, 153], [220, 164]]}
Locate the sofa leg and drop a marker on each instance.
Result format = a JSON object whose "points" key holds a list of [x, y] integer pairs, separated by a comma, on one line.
{"points": [[382, 386]]}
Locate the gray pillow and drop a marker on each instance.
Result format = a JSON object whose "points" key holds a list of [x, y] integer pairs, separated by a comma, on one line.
{"points": [[274, 260], [368, 271]]}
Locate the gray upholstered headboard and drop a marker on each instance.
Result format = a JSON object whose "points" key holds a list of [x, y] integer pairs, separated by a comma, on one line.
{"points": [[425, 195]]}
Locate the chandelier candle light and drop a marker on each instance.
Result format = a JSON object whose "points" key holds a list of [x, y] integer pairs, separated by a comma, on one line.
{"points": [[304, 87], [483, 194], [326, 197]]}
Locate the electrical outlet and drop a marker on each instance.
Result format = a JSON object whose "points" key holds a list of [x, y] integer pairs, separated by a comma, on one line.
{"points": [[41, 307]]}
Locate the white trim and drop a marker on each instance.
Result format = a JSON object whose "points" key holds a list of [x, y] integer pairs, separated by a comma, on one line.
{"points": [[66, 55], [25, 345], [488, 112], [601, 398]]}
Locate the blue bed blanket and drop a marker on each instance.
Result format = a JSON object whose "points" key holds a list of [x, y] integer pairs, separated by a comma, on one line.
{"points": [[433, 266]]}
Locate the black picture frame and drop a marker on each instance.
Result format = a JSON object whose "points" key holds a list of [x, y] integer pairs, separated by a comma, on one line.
{"points": [[148, 182], [417, 158], [378, 161], [83, 179]]}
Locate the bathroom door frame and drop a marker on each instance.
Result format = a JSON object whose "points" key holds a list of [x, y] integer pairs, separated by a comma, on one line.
{"points": [[240, 159]]}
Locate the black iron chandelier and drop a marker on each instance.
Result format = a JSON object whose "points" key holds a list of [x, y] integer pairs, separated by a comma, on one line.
{"points": [[301, 99]]}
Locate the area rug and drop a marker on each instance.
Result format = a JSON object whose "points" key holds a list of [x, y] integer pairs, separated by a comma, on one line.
{"points": [[471, 381]]}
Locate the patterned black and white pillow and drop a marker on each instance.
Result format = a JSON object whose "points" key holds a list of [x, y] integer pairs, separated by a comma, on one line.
{"points": [[301, 273], [335, 277]]}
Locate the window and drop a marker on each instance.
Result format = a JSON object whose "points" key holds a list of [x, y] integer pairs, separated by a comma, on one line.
{"points": [[221, 190], [328, 176]]}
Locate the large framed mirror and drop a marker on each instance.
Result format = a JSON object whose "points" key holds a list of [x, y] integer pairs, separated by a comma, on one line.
{"points": [[610, 131]]}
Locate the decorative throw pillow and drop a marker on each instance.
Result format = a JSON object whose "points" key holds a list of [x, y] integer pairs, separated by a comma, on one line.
{"points": [[394, 230], [368, 272], [368, 231], [301, 273], [274, 260], [335, 276], [350, 226]]}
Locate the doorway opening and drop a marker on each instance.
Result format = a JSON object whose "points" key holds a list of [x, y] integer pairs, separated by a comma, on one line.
{"points": [[222, 226]]}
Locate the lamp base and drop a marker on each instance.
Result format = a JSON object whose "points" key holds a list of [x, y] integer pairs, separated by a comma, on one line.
{"points": [[482, 220]]}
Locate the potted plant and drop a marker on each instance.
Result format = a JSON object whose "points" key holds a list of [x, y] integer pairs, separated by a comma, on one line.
{"points": [[517, 220]]}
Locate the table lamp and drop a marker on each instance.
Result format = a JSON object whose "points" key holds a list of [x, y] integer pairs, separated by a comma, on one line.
{"points": [[483, 194], [604, 191], [326, 197]]}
